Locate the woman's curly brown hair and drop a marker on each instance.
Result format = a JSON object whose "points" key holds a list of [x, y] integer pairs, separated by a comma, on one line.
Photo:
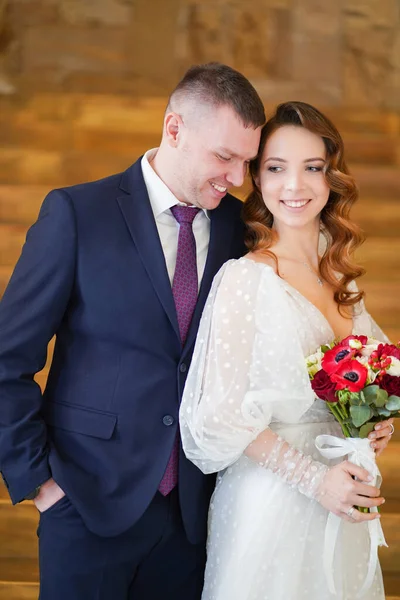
{"points": [[337, 266]]}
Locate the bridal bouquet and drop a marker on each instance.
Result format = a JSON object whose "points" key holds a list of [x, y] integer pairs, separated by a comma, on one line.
{"points": [[359, 378]]}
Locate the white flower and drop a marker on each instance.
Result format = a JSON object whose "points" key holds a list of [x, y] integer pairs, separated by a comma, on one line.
{"points": [[369, 348], [355, 344], [313, 370], [371, 374], [315, 359], [394, 368]]}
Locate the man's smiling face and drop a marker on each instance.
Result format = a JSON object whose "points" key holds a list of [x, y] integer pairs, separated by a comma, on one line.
{"points": [[214, 152]]}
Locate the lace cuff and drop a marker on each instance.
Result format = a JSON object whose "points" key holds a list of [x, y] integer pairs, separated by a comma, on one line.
{"points": [[298, 470]]}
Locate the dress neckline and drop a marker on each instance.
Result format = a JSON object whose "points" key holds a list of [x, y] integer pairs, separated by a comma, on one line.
{"points": [[290, 288]]}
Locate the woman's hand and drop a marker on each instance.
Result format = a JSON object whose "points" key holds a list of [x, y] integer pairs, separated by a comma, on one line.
{"points": [[339, 492], [381, 435]]}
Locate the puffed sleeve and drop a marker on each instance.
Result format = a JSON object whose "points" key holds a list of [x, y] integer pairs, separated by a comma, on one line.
{"points": [[248, 367], [377, 332], [365, 323]]}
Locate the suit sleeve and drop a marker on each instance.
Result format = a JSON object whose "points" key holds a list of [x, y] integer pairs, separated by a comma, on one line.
{"points": [[31, 311]]}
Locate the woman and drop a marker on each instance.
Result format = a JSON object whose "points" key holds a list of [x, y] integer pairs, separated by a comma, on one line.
{"points": [[248, 406]]}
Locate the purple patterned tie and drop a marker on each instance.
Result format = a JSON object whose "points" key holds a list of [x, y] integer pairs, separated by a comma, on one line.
{"points": [[184, 289]]}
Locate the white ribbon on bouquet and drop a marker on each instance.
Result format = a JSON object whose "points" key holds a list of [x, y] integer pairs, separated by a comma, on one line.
{"points": [[361, 454]]}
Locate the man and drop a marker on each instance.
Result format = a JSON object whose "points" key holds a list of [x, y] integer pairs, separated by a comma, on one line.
{"points": [[119, 271]]}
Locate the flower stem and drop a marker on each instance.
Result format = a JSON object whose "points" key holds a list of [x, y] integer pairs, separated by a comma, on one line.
{"points": [[340, 418]]}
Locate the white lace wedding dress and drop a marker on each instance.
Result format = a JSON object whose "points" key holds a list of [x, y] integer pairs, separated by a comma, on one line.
{"points": [[248, 373]]}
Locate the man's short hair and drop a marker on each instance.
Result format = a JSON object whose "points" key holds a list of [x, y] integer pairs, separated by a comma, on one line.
{"points": [[218, 85]]}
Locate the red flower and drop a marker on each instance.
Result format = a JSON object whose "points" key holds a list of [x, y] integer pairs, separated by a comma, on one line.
{"points": [[389, 350], [350, 375], [323, 387], [391, 384], [332, 359]]}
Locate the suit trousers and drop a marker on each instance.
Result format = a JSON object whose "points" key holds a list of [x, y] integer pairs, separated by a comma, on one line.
{"points": [[153, 560]]}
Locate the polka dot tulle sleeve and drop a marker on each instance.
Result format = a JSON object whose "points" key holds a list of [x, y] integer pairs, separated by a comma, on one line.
{"points": [[248, 369]]}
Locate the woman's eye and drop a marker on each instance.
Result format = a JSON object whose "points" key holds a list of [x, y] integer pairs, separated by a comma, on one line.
{"points": [[224, 158], [314, 169], [274, 169]]}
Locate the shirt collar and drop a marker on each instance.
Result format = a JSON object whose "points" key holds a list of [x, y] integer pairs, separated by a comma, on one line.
{"points": [[160, 196]]}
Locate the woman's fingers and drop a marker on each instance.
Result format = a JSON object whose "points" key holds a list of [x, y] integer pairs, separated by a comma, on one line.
{"points": [[381, 435], [366, 502], [358, 493], [358, 472], [360, 517]]}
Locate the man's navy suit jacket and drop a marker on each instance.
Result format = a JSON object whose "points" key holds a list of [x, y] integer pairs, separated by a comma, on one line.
{"points": [[92, 272]]}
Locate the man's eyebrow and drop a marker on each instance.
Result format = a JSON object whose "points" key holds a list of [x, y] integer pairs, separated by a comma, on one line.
{"points": [[233, 154]]}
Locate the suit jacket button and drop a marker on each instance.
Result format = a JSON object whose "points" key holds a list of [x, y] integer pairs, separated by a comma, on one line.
{"points": [[183, 368], [168, 420]]}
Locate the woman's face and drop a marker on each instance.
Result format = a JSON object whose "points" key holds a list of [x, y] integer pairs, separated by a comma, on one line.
{"points": [[291, 176]]}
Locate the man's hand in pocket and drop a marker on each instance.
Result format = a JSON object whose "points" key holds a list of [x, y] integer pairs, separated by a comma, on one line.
{"points": [[50, 493]]}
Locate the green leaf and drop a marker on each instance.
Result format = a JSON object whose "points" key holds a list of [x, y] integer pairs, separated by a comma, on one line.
{"points": [[370, 399], [325, 349], [371, 390], [360, 414], [366, 429], [393, 403], [381, 398], [354, 432], [355, 400], [383, 412]]}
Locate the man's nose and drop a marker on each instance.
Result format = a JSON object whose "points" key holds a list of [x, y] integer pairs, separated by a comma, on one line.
{"points": [[236, 175]]}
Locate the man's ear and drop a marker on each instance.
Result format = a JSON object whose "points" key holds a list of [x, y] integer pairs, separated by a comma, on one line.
{"points": [[173, 124]]}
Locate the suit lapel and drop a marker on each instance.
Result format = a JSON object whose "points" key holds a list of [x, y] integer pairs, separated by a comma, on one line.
{"points": [[136, 209]]}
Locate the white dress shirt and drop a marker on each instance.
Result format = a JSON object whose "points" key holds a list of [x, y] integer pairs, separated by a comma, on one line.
{"points": [[161, 200]]}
